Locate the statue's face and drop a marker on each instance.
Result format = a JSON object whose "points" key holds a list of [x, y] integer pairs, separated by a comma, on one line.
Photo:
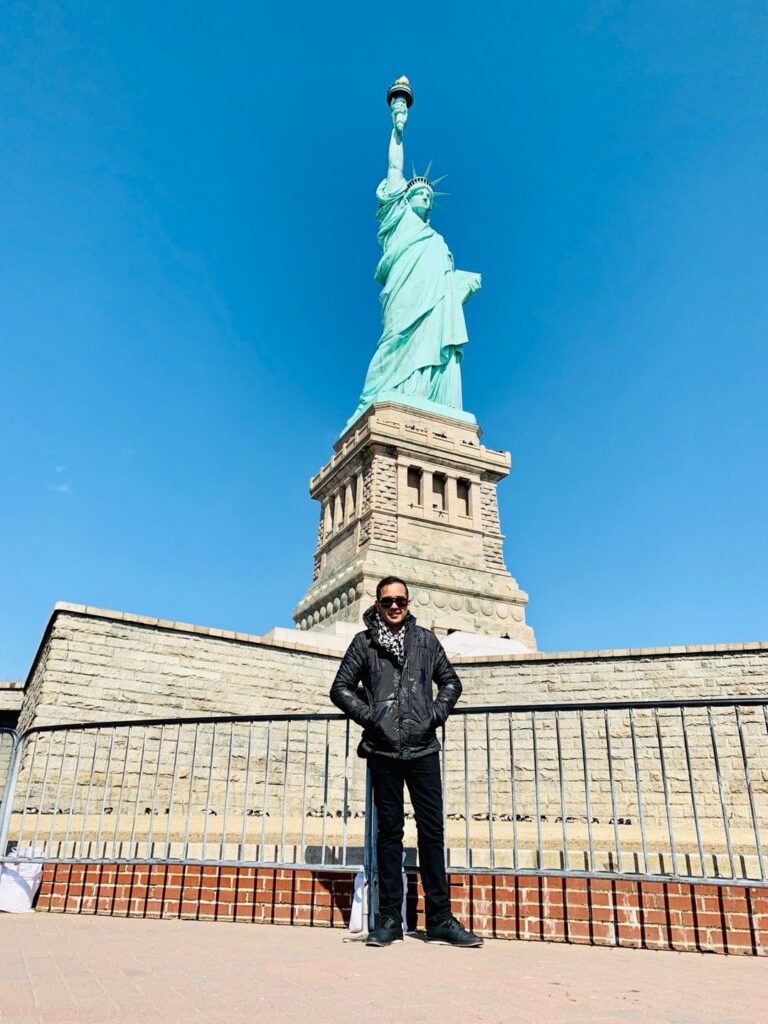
{"points": [[421, 201]]}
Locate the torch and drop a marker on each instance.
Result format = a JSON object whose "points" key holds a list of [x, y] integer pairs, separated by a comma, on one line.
{"points": [[399, 99]]}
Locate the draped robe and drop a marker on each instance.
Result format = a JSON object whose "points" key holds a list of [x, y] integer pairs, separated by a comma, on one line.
{"points": [[422, 316]]}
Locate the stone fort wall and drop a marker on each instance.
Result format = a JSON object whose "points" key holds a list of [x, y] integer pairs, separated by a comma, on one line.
{"points": [[97, 664]]}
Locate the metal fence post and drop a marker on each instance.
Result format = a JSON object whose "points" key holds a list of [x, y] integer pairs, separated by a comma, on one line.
{"points": [[370, 862], [9, 789]]}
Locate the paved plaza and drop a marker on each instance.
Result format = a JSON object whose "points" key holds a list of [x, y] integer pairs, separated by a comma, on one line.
{"points": [[62, 969]]}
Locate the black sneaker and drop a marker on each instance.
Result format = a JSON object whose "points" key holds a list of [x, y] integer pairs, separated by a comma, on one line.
{"points": [[389, 930], [452, 933]]}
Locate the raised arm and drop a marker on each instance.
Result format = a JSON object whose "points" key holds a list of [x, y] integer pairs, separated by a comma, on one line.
{"points": [[395, 176]]}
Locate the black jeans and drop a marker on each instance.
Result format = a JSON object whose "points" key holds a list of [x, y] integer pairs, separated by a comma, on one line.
{"points": [[422, 776]]}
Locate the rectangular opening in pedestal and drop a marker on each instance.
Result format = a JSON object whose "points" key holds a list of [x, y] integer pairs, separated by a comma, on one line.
{"points": [[352, 498], [438, 492], [415, 477], [340, 509], [462, 497]]}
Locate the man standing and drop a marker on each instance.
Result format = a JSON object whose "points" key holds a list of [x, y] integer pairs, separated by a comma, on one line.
{"points": [[397, 662]]}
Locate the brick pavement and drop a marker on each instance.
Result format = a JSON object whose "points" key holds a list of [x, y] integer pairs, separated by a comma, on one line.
{"points": [[61, 969]]}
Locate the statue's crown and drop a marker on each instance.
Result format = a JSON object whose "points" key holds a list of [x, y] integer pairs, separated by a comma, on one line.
{"points": [[423, 180], [418, 180]]}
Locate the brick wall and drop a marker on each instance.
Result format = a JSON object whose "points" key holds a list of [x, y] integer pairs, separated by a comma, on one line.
{"points": [[263, 895], [604, 912]]}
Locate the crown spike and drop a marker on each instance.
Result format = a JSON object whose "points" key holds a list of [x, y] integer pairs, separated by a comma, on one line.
{"points": [[429, 168], [438, 180]]}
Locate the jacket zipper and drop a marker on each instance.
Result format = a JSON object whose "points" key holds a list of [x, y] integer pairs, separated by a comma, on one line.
{"points": [[399, 701]]}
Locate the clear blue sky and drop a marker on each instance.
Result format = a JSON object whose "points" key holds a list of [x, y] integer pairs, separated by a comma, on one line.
{"points": [[188, 306]]}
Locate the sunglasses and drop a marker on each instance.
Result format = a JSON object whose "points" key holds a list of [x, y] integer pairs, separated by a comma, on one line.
{"points": [[387, 602]]}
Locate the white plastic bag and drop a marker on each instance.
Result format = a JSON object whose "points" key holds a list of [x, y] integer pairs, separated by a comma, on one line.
{"points": [[19, 883], [358, 904], [359, 912]]}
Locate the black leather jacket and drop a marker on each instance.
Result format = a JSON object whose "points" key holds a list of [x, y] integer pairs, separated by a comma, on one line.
{"points": [[395, 707]]}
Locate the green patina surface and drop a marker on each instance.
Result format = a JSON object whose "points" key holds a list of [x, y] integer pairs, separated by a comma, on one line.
{"points": [[418, 357]]}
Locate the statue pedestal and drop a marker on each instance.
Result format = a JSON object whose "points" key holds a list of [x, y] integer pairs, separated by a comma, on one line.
{"points": [[420, 404], [412, 493]]}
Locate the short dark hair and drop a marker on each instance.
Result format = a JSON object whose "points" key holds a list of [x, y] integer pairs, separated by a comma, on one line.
{"points": [[388, 581]]}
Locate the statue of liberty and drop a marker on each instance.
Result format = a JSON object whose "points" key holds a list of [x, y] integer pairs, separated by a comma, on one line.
{"points": [[418, 357]]}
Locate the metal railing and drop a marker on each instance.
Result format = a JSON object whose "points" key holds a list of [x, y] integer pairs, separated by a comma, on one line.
{"points": [[641, 789], [249, 790], [664, 790], [9, 741]]}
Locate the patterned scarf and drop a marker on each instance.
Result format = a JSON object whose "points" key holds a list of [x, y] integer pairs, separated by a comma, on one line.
{"points": [[392, 642]]}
